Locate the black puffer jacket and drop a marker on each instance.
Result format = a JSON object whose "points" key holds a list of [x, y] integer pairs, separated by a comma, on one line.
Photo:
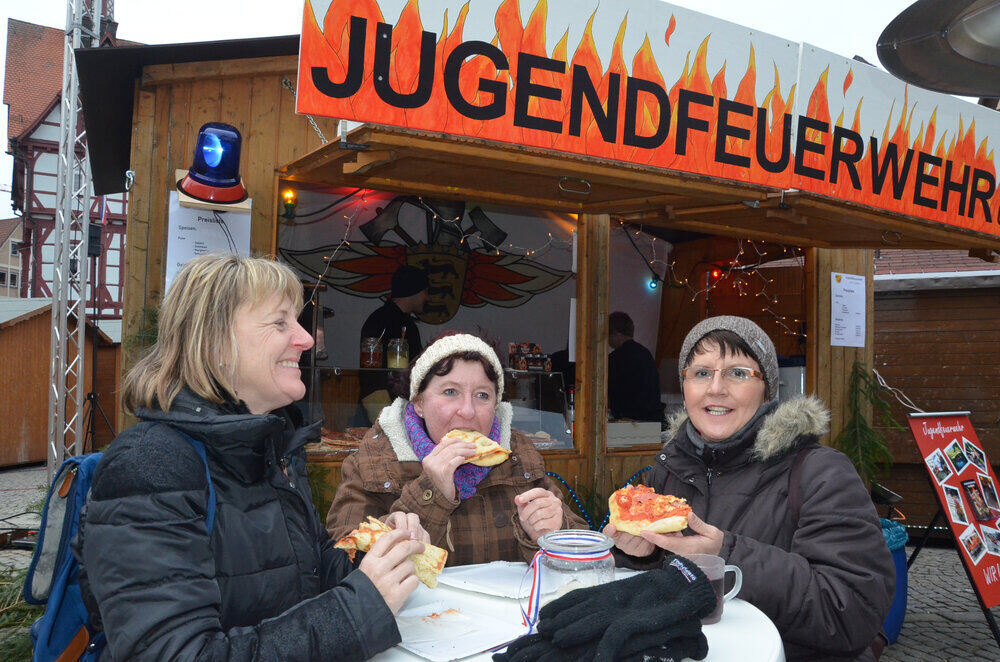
{"points": [[826, 580], [267, 585]]}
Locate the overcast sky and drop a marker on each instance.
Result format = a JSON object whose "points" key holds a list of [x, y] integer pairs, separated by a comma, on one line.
{"points": [[846, 27]]}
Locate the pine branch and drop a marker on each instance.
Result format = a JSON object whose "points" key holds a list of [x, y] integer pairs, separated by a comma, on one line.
{"points": [[865, 445]]}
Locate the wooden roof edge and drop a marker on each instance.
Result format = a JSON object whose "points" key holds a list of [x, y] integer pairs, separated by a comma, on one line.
{"points": [[45, 308], [361, 137], [934, 230]]}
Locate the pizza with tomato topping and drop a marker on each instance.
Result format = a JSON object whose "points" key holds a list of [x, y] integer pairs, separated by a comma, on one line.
{"points": [[638, 508]]}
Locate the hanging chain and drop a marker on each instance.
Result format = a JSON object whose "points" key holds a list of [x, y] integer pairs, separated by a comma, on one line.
{"points": [[287, 84]]}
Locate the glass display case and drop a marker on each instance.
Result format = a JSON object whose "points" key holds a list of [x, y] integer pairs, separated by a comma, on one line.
{"points": [[349, 399]]}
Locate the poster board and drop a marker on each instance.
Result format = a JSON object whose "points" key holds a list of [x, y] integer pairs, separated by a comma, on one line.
{"points": [[847, 310], [192, 232], [966, 488]]}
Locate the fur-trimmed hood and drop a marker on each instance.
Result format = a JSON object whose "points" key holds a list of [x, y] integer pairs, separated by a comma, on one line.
{"points": [[781, 430], [392, 422]]}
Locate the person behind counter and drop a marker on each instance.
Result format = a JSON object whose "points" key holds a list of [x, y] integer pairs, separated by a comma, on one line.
{"points": [[633, 382], [403, 468], [266, 582], [826, 579], [394, 319]]}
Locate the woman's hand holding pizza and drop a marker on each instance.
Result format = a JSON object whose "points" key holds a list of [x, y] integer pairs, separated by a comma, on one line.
{"points": [[389, 568], [409, 521], [631, 545], [707, 539], [540, 511], [441, 463]]}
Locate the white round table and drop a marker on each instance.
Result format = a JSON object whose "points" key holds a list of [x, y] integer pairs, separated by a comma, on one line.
{"points": [[744, 633]]}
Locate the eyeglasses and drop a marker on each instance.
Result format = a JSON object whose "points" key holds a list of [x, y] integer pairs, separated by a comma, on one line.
{"points": [[734, 375]]}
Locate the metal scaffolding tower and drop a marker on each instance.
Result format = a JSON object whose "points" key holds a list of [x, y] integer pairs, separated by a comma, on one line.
{"points": [[69, 269]]}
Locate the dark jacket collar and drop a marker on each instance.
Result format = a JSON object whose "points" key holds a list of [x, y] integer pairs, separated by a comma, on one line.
{"points": [[240, 441]]}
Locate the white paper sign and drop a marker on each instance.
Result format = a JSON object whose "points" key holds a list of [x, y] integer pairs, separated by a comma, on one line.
{"points": [[194, 232], [847, 310]]}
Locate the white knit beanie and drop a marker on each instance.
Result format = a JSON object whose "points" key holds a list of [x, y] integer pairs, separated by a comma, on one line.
{"points": [[445, 347], [754, 336]]}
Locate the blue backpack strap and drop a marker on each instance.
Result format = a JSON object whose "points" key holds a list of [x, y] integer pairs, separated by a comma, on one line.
{"points": [[199, 447]]}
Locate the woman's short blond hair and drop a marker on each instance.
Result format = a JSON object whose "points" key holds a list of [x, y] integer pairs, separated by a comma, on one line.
{"points": [[195, 343]]}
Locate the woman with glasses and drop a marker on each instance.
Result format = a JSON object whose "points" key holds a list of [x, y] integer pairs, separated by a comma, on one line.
{"points": [[792, 514]]}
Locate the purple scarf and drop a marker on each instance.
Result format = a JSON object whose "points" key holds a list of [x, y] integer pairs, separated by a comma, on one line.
{"points": [[467, 476]]}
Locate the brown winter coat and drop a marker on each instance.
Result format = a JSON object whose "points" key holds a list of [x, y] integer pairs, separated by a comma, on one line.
{"points": [[385, 476], [826, 580]]}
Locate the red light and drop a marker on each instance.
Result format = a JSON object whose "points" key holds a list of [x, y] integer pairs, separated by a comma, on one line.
{"points": [[716, 274]]}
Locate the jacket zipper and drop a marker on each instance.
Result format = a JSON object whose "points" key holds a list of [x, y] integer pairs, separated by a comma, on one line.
{"points": [[708, 492], [283, 464]]}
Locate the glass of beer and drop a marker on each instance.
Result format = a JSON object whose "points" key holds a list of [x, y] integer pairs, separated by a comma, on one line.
{"points": [[399, 354]]}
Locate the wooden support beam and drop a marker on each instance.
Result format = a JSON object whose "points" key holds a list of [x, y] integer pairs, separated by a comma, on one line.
{"points": [[368, 160], [590, 430]]}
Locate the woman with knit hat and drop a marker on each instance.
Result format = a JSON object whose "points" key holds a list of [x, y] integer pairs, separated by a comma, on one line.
{"points": [[406, 473], [792, 514]]}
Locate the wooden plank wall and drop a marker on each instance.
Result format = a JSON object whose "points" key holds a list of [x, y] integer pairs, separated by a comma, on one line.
{"points": [[942, 349], [828, 368], [171, 104], [24, 352]]}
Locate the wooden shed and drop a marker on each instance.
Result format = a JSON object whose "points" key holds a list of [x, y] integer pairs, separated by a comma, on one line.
{"points": [[151, 102], [25, 336], [937, 339]]}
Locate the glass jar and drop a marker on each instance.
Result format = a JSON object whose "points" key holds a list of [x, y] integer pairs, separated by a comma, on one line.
{"points": [[567, 560], [371, 353], [398, 354]]}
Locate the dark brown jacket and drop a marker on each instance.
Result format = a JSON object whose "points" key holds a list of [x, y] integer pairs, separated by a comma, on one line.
{"points": [[385, 476], [826, 580]]}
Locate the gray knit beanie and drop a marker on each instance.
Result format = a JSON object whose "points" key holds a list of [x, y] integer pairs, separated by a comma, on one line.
{"points": [[754, 336]]}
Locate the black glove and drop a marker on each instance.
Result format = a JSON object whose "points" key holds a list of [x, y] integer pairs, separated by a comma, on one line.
{"points": [[585, 602], [652, 601], [538, 648], [695, 648], [610, 648]]}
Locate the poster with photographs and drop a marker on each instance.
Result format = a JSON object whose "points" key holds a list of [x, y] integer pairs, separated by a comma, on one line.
{"points": [[975, 455], [989, 492], [977, 503], [956, 454], [955, 507], [966, 488], [973, 544], [939, 466], [991, 537]]}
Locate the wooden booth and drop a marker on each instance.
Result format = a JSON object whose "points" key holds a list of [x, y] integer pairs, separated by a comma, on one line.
{"points": [[25, 336], [720, 191]]}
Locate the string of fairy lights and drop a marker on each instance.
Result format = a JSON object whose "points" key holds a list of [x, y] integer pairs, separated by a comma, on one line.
{"points": [[744, 273]]}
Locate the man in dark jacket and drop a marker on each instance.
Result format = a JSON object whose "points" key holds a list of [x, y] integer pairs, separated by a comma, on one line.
{"points": [[633, 382], [394, 319]]}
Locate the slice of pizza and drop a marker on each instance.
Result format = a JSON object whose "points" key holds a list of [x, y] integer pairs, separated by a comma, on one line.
{"points": [[427, 565], [638, 508], [488, 452]]}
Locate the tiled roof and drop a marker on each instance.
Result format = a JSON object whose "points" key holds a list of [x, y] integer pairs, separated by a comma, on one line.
{"points": [[908, 261], [33, 72], [7, 226]]}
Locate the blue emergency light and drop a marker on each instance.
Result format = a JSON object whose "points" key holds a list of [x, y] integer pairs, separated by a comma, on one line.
{"points": [[215, 173]]}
